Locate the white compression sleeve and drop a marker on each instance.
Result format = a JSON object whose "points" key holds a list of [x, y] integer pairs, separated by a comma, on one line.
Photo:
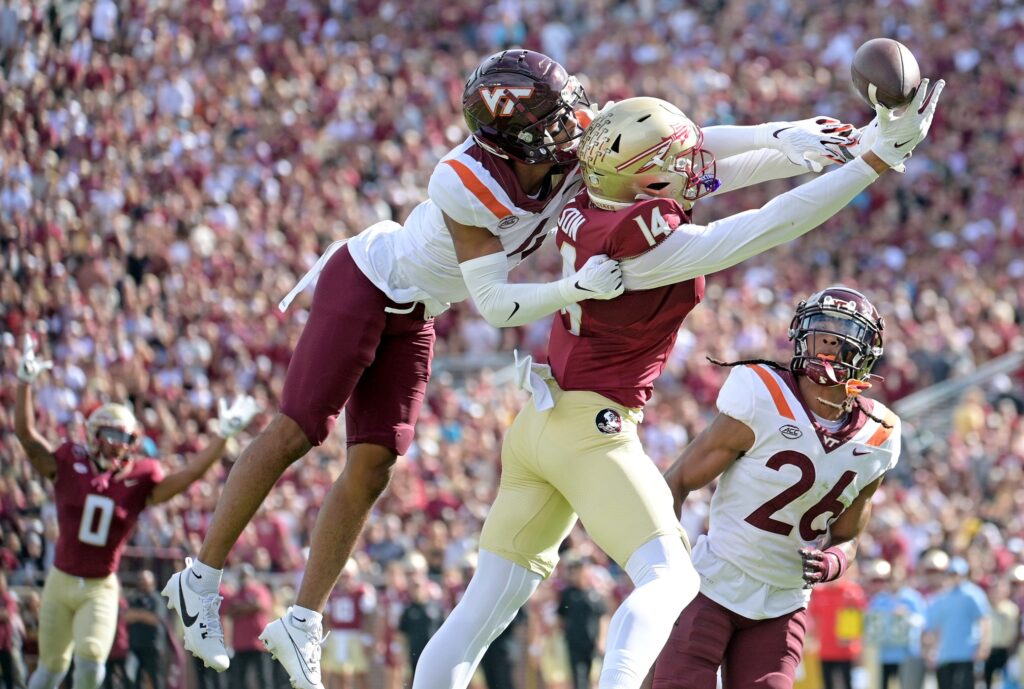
{"points": [[498, 589], [694, 250], [665, 582], [726, 140], [505, 304], [754, 167]]}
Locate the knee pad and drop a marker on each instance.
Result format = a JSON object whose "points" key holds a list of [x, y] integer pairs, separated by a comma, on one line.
{"points": [[44, 678], [666, 558], [88, 674]]}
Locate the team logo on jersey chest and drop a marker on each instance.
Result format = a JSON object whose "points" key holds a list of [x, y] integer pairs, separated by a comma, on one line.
{"points": [[791, 432], [508, 221], [608, 421]]}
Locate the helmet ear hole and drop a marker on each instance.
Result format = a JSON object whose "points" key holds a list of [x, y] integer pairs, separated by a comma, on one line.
{"points": [[657, 186]]}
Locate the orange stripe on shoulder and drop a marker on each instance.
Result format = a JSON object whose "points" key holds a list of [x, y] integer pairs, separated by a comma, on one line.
{"points": [[883, 433], [775, 389], [479, 189]]}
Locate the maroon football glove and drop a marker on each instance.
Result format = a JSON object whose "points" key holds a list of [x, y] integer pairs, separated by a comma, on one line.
{"points": [[822, 565]]}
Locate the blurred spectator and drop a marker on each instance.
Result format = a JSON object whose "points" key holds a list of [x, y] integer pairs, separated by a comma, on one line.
{"points": [[837, 614], [958, 629], [498, 663], [117, 668], [146, 631], [893, 623], [352, 617], [421, 617], [1005, 631], [581, 610], [11, 631], [249, 610]]}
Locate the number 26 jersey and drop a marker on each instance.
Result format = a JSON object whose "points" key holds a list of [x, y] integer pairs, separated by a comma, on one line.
{"points": [[785, 492]]}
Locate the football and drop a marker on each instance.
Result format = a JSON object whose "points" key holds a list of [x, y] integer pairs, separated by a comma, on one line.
{"points": [[885, 71]]}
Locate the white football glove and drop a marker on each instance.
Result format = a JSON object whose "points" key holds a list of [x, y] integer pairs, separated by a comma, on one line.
{"points": [[232, 419], [898, 135], [599, 278], [30, 368], [813, 143]]}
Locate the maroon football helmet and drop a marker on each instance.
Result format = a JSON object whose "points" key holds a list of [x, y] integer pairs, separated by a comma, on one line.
{"points": [[520, 104], [846, 315]]}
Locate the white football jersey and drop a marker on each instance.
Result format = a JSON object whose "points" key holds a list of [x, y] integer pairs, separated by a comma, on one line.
{"points": [[417, 262], [784, 493]]}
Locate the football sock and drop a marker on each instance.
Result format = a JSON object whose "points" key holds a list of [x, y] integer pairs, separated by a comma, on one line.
{"points": [[665, 582], [494, 595], [88, 674], [204, 578], [44, 679], [305, 617]]}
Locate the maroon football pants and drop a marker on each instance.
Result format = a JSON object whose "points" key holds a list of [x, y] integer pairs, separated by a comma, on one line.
{"points": [[362, 352], [751, 653]]}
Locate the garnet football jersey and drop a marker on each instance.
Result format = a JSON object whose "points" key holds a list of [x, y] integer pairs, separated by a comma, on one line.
{"points": [[346, 609], [786, 490], [618, 347], [97, 511]]}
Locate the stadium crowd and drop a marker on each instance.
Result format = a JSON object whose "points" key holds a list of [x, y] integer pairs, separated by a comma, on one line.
{"points": [[169, 170]]}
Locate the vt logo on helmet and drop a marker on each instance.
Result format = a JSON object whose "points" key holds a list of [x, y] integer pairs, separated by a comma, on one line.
{"points": [[643, 148], [837, 336], [521, 105]]}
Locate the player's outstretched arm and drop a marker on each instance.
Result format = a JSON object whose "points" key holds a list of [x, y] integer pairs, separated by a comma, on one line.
{"points": [[484, 267], [232, 419], [807, 144], [39, 451], [708, 456]]}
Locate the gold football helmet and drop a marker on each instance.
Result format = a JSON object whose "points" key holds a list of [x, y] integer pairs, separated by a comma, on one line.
{"points": [[643, 148], [111, 432]]}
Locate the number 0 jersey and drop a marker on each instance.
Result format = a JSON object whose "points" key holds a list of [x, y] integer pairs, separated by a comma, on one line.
{"points": [[96, 511], [618, 347], [783, 493]]}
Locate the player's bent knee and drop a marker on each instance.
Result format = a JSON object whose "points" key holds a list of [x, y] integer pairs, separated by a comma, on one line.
{"points": [[371, 466], [88, 674]]}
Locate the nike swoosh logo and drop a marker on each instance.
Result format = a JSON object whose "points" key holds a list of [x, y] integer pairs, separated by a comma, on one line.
{"points": [[513, 311], [776, 133], [187, 619], [298, 652], [902, 143], [859, 453], [582, 288], [197, 576]]}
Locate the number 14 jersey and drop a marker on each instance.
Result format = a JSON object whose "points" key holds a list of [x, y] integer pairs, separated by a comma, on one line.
{"points": [[785, 492]]}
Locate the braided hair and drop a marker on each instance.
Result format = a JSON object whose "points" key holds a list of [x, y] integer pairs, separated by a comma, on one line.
{"points": [[779, 367]]}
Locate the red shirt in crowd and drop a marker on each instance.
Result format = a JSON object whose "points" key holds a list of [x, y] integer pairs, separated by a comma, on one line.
{"points": [[249, 608], [837, 609]]}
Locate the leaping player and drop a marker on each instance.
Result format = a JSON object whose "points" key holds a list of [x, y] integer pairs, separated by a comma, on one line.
{"points": [[100, 489], [575, 450]]}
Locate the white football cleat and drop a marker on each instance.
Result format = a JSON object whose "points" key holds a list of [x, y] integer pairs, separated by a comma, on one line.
{"points": [[296, 645], [200, 618]]}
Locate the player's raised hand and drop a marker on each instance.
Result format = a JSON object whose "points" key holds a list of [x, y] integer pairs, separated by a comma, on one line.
{"points": [[599, 278], [30, 368], [813, 142], [900, 132], [233, 418]]}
